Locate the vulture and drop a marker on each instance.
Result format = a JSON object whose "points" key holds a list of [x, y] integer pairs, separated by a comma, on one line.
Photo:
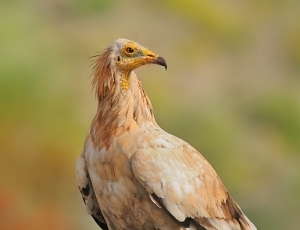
{"points": [[134, 175]]}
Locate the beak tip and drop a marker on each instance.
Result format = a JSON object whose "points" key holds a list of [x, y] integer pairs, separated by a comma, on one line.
{"points": [[161, 61]]}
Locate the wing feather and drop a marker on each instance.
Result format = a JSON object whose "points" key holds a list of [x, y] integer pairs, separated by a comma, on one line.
{"points": [[186, 185], [87, 192]]}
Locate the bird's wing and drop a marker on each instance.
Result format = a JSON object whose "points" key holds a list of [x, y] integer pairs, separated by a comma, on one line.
{"points": [[87, 192], [179, 179]]}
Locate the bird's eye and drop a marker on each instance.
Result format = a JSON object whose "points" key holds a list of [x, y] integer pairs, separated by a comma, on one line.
{"points": [[129, 50]]}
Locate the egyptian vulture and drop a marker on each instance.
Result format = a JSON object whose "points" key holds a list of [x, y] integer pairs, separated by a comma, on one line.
{"points": [[134, 175]]}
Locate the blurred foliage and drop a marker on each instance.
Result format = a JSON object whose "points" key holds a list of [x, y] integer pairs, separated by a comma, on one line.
{"points": [[91, 6], [232, 90], [279, 114]]}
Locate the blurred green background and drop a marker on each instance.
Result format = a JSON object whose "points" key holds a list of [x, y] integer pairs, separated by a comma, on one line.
{"points": [[232, 90]]}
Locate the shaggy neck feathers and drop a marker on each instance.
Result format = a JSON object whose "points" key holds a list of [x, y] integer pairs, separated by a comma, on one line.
{"points": [[120, 96], [104, 80]]}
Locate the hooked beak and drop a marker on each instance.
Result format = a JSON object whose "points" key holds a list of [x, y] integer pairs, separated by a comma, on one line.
{"points": [[161, 61], [153, 58]]}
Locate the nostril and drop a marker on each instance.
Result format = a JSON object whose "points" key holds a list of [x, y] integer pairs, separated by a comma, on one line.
{"points": [[150, 55]]}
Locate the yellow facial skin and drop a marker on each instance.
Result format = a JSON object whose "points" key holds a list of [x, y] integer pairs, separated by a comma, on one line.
{"points": [[133, 55]]}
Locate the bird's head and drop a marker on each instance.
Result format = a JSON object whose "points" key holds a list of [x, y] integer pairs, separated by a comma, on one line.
{"points": [[129, 55], [115, 64]]}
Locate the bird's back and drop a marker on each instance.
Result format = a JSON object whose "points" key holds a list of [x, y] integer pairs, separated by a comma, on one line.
{"points": [[149, 179]]}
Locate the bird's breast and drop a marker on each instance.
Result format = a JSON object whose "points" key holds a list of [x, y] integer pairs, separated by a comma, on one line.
{"points": [[122, 198]]}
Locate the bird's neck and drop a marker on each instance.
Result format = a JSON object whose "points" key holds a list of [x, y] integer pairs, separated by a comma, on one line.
{"points": [[125, 109]]}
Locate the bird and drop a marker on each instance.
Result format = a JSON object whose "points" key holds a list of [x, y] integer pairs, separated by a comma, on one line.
{"points": [[134, 175]]}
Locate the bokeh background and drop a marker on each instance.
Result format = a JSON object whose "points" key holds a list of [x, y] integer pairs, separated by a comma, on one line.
{"points": [[232, 90]]}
